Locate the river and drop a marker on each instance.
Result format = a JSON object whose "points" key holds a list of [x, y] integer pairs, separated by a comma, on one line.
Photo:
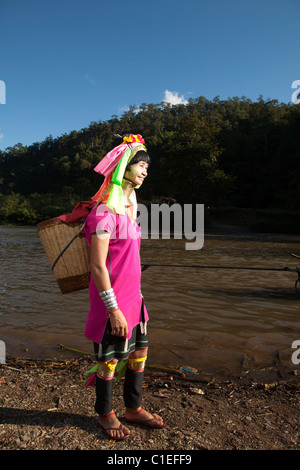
{"points": [[216, 320]]}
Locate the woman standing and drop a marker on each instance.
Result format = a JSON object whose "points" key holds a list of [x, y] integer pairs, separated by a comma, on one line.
{"points": [[117, 318]]}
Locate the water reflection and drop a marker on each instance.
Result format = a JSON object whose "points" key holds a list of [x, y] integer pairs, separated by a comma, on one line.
{"points": [[205, 318]]}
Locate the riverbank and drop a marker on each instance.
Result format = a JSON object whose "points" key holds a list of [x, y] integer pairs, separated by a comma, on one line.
{"points": [[255, 221], [44, 406]]}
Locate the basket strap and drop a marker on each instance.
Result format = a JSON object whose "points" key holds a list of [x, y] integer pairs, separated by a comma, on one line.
{"points": [[67, 246]]}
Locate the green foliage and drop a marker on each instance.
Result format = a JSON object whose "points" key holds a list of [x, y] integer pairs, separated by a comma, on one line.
{"points": [[15, 209]]}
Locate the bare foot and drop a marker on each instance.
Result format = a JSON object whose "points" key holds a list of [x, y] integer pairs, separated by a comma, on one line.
{"points": [[112, 426], [141, 416]]}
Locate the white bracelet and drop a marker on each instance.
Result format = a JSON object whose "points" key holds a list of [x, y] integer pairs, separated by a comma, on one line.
{"points": [[109, 299]]}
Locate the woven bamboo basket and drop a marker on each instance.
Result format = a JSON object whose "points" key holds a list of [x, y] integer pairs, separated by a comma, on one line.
{"points": [[72, 269]]}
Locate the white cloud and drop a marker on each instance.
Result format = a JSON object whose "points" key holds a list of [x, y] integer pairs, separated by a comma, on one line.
{"points": [[173, 98], [125, 109], [1, 136]]}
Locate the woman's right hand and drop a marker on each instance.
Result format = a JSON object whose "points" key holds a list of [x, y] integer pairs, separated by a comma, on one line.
{"points": [[118, 323]]}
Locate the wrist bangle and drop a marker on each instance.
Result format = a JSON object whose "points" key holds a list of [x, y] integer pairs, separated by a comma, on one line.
{"points": [[113, 310], [109, 299]]}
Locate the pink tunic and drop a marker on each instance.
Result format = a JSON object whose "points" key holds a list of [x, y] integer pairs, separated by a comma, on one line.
{"points": [[124, 267]]}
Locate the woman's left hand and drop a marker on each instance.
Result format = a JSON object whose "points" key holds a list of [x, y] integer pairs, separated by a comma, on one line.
{"points": [[118, 323]]}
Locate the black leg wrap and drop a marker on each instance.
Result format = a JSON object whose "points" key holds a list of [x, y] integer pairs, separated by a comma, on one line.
{"points": [[133, 388], [104, 394]]}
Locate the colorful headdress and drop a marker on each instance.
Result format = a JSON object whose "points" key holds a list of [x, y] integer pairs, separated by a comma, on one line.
{"points": [[113, 167]]}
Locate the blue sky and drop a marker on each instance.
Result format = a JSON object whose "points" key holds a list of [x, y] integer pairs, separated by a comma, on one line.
{"points": [[67, 63]]}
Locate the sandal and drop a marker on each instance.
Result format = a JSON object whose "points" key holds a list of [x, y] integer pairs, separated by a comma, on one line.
{"points": [[153, 423], [119, 428]]}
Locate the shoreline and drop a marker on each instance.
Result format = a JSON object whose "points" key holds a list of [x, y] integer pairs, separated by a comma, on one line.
{"points": [[45, 406]]}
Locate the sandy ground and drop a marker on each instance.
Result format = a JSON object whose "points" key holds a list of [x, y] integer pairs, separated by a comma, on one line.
{"points": [[45, 406]]}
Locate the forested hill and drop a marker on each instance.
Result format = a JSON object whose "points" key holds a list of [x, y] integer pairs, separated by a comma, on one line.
{"points": [[236, 153]]}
